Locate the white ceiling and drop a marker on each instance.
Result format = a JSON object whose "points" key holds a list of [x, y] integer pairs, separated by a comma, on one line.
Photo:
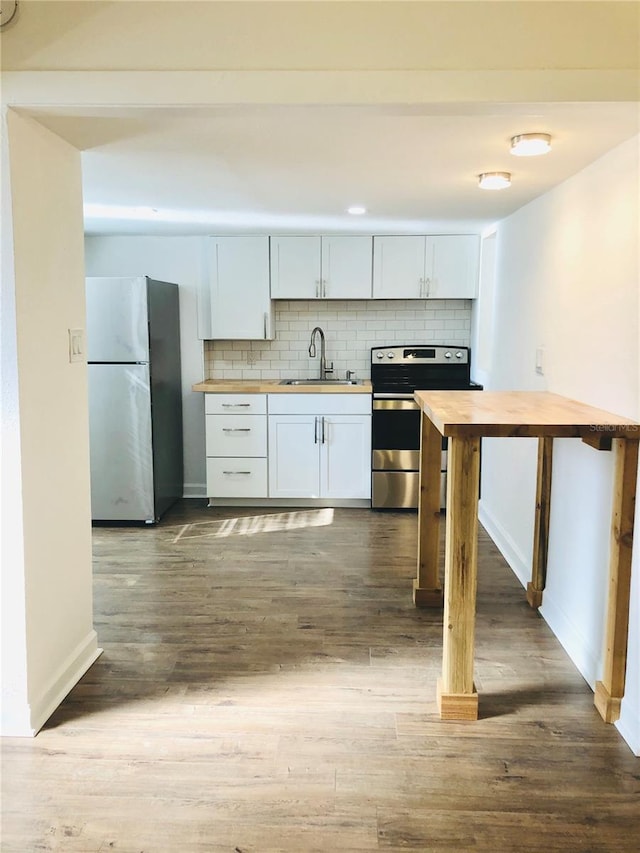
{"points": [[288, 169]]}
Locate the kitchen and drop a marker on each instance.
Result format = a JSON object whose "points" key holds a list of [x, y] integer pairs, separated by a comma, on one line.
{"points": [[557, 288]]}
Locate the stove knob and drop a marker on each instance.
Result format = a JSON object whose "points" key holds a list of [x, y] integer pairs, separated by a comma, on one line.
{"points": [[379, 355], [459, 354], [447, 354], [391, 355]]}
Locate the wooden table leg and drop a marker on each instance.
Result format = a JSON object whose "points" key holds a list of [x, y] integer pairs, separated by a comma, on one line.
{"points": [[457, 699], [541, 533], [610, 690], [427, 589]]}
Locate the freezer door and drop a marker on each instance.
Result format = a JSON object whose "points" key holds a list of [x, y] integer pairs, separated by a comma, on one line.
{"points": [[120, 442], [117, 319]]}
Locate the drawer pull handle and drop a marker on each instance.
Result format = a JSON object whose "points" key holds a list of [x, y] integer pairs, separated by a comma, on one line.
{"points": [[236, 429], [236, 472], [236, 405]]}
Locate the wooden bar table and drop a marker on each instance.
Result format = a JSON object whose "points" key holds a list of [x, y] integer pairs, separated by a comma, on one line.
{"points": [[465, 417]]}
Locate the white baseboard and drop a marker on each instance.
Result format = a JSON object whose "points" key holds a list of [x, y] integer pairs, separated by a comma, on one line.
{"points": [[583, 655], [194, 490], [629, 727], [69, 673], [291, 503], [505, 544], [578, 646]]}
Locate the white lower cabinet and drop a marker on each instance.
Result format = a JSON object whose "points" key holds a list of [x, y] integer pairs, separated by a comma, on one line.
{"points": [[320, 446], [236, 445], [308, 446]]}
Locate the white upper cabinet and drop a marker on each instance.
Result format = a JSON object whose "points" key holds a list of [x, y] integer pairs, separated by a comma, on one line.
{"points": [[346, 267], [235, 302], [425, 267], [295, 267], [454, 266], [327, 267], [399, 265]]}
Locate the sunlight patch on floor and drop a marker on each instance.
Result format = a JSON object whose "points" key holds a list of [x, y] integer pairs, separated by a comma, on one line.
{"points": [[250, 525]]}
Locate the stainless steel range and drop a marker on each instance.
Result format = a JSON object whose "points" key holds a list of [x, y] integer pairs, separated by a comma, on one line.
{"points": [[396, 372]]}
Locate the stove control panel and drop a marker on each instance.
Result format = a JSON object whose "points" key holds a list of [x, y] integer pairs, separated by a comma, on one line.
{"points": [[421, 354]]}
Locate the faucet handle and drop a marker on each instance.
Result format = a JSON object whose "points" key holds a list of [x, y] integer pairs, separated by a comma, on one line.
{"points": [[350, 374]]}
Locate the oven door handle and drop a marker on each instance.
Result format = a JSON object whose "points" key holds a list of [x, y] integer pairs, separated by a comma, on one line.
{"points": [[393, 395], [405, 405]]}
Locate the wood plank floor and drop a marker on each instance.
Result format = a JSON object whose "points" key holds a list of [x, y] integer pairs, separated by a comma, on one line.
{"points": [[267, 685]]}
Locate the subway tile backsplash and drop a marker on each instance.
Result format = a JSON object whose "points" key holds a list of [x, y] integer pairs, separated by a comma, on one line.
{"points": [[351, 328]]}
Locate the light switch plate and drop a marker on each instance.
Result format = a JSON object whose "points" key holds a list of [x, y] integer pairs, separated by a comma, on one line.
{"points": [[76, 345], [540, 360]]}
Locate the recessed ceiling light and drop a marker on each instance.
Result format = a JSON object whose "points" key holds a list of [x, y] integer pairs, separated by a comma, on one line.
{"points": [[494, 180], [530, 144], [356, 210]]}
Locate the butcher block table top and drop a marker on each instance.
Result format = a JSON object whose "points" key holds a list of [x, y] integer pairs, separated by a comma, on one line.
{"points": [[466, 414], [464, 417]]}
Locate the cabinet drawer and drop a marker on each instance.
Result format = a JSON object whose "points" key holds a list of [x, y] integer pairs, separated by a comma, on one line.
{"points": [[235, 404], [236, 435], [319, 404], [236, 478]]}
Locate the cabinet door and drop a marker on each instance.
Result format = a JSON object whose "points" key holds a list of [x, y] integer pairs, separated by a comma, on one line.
{"points": [[345, 457], [452, 268], [294, 443], [237, 297], [346, 267], [399, 267], [295, 267]]}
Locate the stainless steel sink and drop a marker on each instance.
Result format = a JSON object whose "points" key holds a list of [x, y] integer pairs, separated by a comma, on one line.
{"points": [[320, 382]]}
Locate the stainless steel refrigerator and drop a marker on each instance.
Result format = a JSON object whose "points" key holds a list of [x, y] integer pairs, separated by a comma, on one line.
{"points": [[135, 399]]}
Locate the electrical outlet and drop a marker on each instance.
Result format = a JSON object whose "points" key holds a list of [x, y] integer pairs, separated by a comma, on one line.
{"points": [[251, 357], [540, 360], [76, 345]]}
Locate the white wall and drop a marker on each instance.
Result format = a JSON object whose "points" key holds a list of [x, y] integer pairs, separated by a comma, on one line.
{"points": [[176, 259], [568, 280], [48, 640]]}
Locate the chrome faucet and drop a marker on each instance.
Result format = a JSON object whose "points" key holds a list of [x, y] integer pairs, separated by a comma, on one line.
{"points": [[312, 352]]}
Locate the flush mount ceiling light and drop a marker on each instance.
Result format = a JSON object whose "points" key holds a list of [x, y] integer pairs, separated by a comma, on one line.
{"points": [[530, 144], [356, 210], [494, 180]]}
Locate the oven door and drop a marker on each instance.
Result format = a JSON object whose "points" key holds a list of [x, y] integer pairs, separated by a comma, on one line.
{"points": [[395, 457], [395, 438]]}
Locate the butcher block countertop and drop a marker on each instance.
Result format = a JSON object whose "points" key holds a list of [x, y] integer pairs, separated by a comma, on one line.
{"points": [[272, 386], [466, 414]]}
